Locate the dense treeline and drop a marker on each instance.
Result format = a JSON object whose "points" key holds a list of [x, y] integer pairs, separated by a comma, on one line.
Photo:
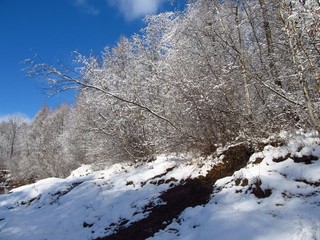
{"points": [[218, 72]]}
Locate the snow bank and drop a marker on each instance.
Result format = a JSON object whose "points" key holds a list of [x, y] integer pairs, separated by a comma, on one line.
{"points": [[89, 204], [276, 196], [292, 211]]}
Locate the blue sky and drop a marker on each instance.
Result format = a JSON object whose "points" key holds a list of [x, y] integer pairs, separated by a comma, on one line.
{"points": [[53, 29]]}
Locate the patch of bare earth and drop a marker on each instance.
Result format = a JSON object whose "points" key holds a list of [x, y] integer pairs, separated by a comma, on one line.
{"points": [[189, 193]]}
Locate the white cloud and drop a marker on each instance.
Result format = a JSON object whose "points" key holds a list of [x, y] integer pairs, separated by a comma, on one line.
{"points": [[133, 9], [87, 7]]}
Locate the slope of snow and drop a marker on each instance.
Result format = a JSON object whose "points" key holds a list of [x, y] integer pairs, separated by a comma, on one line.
{"points": [[292, 211], [89, 204], [276, 196]]}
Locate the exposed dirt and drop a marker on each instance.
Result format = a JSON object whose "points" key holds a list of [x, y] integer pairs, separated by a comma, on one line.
{"points": [[309, 159], [281, 159], [256, 189], [190, 193], [305, 159]]}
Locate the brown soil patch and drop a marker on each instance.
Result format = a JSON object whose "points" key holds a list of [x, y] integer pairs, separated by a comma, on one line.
{"points": [[255, 188], [281, 159], [305, 159]]}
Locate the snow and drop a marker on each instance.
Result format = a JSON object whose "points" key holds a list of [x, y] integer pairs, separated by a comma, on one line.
{"points": [[91, 204], [65, 208], [292, 211]]}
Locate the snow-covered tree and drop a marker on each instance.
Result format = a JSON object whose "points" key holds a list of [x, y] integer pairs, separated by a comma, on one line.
{"points": [[218, 72], [12, 141]]}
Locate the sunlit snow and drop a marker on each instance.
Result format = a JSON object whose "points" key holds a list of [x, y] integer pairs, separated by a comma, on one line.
{"points": [[90, 204]]}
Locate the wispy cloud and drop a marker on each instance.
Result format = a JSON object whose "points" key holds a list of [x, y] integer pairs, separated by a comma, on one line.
{"points": [[87, 6], [133, 9]]}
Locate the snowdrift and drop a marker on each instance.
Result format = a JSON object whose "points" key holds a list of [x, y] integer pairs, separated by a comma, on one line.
{"points": [[276, 195]]}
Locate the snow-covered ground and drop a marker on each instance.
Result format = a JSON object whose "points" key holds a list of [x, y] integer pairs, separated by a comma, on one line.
{"points": [[277, 196], [89, 204], [292, 211]]}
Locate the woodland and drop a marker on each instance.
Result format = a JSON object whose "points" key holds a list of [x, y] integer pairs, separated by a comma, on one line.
{"points": [[217, 72]]}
